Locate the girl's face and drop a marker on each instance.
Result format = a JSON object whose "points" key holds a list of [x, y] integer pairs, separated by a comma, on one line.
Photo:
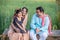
{"points": [[20, 14], [24, 11]]}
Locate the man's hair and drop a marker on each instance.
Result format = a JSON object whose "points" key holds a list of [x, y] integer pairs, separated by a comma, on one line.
{"points": [[40, 8]]}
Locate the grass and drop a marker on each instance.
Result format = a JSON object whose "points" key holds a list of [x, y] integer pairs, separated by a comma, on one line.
{"points": [[7, 8]]}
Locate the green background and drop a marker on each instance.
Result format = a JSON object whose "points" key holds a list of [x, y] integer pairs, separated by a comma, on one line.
{"points": [[7, 8]]}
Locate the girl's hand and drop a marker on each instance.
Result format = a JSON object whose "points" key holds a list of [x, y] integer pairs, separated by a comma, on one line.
{"points": [[24, 30], [17, 30]]}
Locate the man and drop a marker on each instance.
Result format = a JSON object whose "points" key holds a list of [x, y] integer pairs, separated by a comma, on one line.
{"points": [[39, 25]]}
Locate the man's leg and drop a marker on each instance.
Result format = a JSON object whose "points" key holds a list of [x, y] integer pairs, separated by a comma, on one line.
{"points": [[43, 36], [33, 35]]}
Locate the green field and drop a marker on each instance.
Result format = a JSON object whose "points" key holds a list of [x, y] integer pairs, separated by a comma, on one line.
{"points": [[7, 8]]}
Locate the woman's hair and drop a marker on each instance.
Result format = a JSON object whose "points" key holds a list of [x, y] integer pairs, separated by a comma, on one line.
{"points": [[25, 8], [17, 12]]}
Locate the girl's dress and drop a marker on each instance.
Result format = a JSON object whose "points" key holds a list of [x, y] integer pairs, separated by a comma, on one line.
{"points": [[20, 23]]}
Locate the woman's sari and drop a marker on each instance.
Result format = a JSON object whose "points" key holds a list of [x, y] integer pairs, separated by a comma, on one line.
{"points": [[12, 34]]}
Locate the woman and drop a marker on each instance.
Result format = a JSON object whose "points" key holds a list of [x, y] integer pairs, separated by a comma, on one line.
{"points": [[25, 15], [22, 24], [17, 28]]}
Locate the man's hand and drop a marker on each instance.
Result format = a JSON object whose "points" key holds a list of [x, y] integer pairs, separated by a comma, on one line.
{"points": [[37, 30]]}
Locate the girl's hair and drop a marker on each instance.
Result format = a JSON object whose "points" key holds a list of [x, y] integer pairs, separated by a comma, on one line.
{"points": [[25, 8], [17, 12]]}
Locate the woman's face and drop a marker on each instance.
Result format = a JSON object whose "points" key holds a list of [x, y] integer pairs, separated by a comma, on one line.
{"points": [[20, 14], [24, 11]]}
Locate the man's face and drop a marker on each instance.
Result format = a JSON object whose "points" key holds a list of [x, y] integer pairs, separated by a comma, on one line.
{"points": [[38, 12]]}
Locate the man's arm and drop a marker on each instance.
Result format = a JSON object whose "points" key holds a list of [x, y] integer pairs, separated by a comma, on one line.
{"points": [[33, 26], [46, 24]]}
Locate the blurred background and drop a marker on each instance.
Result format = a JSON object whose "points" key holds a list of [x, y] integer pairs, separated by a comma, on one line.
{"points": [[7, 8]]}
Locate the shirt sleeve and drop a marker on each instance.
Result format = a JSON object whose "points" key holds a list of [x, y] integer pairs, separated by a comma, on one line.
{"points": [[46, 24], [33, 26]]}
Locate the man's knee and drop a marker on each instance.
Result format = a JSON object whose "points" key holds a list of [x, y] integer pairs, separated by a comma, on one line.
{"points": [[44, 35], [32, 31], [32, 34]]}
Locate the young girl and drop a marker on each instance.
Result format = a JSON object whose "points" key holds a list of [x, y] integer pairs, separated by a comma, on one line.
{"points": [[18, 21], [16, 28], [19, 25]]}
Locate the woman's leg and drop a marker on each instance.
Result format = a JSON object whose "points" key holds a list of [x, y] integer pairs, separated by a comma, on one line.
{"points": [[10, 33], [20, 36], [16, 36], [26, 36]]}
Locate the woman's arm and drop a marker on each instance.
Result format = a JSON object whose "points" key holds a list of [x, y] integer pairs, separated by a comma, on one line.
{"points": [[25, 21]]}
